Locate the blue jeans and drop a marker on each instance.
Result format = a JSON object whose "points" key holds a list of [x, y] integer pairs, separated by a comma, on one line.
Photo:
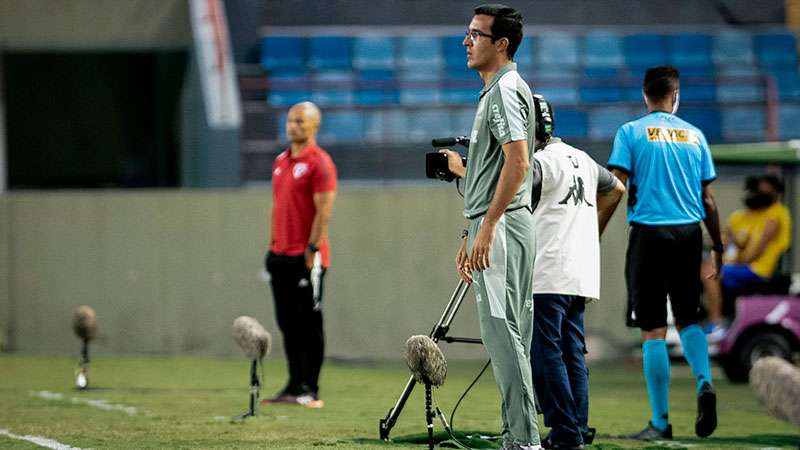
{"points": [[560, 376]]}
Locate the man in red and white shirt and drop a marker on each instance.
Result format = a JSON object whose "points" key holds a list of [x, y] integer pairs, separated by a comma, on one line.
{"points": [[303, 191]]}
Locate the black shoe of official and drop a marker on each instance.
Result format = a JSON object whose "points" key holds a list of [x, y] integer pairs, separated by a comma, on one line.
{"points": [[651, 433], [706, 421]]}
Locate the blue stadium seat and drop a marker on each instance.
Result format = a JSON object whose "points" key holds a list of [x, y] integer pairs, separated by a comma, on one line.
{"points": [[559, 94], [461, 95], [373, 52], [412, 96], [385, 125], [425, 124], [732, 90], [707, 119], [287, 97], [342, 126], [427, 74], [524, 55], [605, 121], [698, 89], [554, 73], [739, 70], [455, 54], [330, 52], [600, 91], [332, 88], [556, 49], [333, 97], [462, 122], [571, 124], [602, 49], [282, 52], [687, 50], [743, 123], [776, 50], [733, 49], [788, 120], [420, 53], [644, 50], [788, 84], [376, 87]]}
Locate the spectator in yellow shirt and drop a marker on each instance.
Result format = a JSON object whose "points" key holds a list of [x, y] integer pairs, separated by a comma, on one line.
{"points": [[755, 238]]}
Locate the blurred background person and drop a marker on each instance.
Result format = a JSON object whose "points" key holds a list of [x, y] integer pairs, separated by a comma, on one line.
{"points": [[303, 191], [756, 237]]}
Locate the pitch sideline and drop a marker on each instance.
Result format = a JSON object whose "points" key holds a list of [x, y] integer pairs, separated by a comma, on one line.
{"points": [[39, 440]]}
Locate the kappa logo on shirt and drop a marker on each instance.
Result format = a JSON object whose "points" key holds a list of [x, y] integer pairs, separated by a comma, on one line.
{"points": [[276, 172], [299, 169]]}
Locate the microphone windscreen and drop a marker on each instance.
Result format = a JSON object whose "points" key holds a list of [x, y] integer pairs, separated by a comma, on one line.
{"points": [[776, 383], [84, 322], [253, 339], [426, 360]]}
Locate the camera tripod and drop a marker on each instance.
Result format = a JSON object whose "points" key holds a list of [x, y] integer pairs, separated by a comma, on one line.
{"points": [[438, 333]]}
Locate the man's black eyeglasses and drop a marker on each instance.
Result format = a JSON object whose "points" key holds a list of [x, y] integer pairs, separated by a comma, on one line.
{"points": [[475, 34]]}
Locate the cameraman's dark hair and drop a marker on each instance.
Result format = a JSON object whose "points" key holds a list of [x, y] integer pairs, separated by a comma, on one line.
{"points": [[775, 182], [507, 24], [660, 82]]}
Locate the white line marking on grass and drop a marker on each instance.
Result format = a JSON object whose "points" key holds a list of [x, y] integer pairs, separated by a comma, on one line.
{"points": [[673, 444], [96, 403], [105, 405], [47, 395], [39, 440]]}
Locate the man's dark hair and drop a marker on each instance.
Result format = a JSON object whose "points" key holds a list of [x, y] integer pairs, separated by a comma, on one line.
{"points": [[775, 182], [507, 24], [659, 82]]}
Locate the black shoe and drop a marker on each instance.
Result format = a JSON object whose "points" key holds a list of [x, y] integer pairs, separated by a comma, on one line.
{"points": [[547, 443], [706, 421], [651, 433], [588, 436]]}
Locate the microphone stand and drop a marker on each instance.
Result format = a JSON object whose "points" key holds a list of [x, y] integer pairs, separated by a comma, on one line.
{"points": [[439, 332], [255, 386], [82, 374]]}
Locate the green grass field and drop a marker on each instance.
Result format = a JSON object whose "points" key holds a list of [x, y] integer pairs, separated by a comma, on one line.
{"points": [[188, 402]]}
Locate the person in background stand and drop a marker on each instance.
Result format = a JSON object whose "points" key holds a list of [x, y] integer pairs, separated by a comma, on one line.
{"points": [[303, 192]]}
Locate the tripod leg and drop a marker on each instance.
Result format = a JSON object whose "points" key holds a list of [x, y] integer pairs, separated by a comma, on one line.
{"points": [[440, 329], [429, 415]]}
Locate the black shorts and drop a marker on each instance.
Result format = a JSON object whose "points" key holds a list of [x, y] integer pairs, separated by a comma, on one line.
{"points": [[663, 260]]}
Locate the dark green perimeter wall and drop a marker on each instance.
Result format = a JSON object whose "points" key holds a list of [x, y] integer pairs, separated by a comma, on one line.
{"points": [[168, 271]]}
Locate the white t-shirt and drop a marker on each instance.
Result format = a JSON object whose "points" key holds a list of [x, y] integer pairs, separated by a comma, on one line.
{"points": [[567, 236]]}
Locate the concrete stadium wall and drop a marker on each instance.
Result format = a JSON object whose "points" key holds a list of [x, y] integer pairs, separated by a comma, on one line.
{"points": [[168, 271]]}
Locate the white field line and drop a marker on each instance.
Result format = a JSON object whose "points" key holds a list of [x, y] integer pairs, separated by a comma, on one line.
{"points": [[95, 403], [39, 440]]}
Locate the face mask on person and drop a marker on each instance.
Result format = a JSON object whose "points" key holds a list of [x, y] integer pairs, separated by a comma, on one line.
{"points": [[757, 200]]}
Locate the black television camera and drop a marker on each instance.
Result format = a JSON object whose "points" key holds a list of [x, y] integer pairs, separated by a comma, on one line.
{"points": [[436, 163]]}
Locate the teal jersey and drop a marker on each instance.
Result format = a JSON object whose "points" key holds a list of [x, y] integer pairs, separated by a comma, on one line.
{"points": [[505, 114], [667, 161]]}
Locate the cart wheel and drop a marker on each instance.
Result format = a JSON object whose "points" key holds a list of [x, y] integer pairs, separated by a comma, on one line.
{"points": [[737, 365]]}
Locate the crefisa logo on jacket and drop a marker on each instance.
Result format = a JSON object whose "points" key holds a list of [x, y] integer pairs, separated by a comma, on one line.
{"points": [[499, 121], [299, 169]]}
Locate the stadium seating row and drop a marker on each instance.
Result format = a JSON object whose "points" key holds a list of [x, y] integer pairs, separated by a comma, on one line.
{"points": [[600, 123], [387, 91], [693, 52]]}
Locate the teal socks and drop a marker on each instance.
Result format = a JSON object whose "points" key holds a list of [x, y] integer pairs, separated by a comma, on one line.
{"points": [[695, 350], [656, 374]]}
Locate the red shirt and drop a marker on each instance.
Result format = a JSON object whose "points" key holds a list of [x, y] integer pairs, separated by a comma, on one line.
{"points": [[294, 183]]}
